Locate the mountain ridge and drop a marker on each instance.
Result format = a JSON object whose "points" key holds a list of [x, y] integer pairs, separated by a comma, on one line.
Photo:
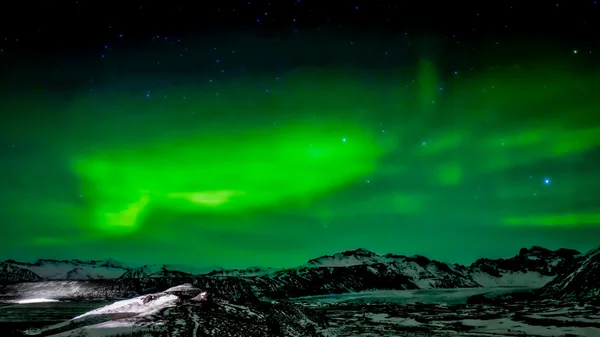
{"points": [[580, 281], [345, 272], [534, 259]]}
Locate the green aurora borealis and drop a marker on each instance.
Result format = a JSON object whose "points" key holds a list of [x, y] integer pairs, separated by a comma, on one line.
{"points": [[274, 170]]}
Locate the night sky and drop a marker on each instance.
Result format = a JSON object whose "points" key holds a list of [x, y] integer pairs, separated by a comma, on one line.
{"points": [[257, 133]]}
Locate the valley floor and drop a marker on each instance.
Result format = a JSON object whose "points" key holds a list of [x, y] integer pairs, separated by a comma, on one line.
{"points": [[539, 319]]}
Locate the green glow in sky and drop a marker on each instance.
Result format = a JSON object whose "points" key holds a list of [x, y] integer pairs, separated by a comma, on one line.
{"points": [[264, 168], [275, 170]]}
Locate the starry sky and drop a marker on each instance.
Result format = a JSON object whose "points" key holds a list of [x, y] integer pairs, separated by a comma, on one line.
{"points": [[268, 134]]}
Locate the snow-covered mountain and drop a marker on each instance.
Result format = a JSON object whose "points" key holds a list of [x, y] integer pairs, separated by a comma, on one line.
{"points": [[54, 270], [348, 271], [359, 270], [68, 269], [188, 311], [10, 273], [193, 270], [581, 280], [531, 267], [152, 271], [347, 258], [251, 271]]}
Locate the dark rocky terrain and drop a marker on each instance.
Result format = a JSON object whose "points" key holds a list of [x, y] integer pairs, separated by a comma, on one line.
{"points": [[188, 311]]}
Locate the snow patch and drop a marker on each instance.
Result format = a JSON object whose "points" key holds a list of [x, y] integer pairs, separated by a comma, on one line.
{"points": [[34, 300], [512, 279], [136, 305]]}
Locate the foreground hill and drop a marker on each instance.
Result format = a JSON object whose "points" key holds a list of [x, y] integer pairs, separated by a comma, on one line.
{"points": [[188, 311], [581, 280]]}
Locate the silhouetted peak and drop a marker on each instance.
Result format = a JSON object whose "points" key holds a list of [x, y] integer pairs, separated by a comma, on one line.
{"points": [[567, 252], [359, 252], [535, 250], [422, 260], [345, 258], [394, 256], [41, 262], [544, 252], [593, 252]]}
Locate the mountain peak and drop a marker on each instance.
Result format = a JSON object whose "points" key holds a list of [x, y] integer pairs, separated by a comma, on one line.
{"points": [[345, 258], [541, 252], [359, 252], [111, 263], [534, 250]]}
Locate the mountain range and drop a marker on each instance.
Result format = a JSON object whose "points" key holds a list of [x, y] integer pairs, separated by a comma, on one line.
{"points": [[538, 292], [561, 273]]}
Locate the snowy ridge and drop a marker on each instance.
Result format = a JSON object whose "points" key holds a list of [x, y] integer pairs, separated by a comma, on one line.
{"points": [[248, 272], [138, 305], [72, 270], [149, 271], [13, 273], [580, 281], [46, 269], [347, 258], [193, 270], [532, 267]]}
